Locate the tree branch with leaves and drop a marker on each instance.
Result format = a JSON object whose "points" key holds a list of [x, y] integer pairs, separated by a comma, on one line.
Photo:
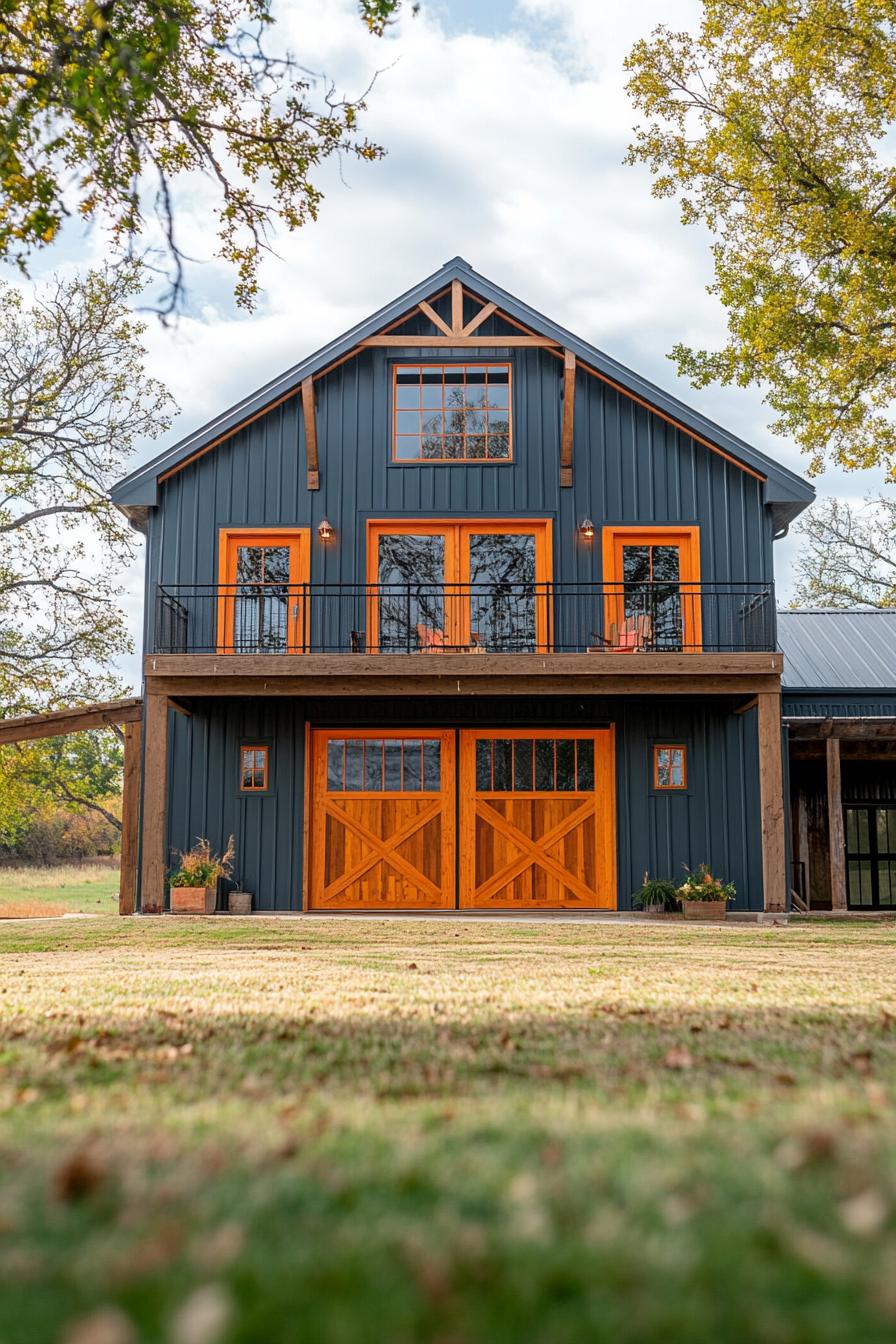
{"points": [[104, 105], [770, 126], [849, 555], [74, 403]]}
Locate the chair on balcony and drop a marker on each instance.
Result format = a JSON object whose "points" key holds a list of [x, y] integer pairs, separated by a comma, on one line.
{"points": [[633, 636], [430, 640]]}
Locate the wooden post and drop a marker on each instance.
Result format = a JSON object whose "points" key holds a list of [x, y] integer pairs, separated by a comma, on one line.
{"points": [[313, 466], [803, 850], [155, 803], [569, 412], [836, 837], [771, 802], [130, 816], [457, 307]]}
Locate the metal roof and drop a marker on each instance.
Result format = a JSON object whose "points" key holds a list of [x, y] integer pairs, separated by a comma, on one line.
{"points": [[833, 650], [787, 492]]}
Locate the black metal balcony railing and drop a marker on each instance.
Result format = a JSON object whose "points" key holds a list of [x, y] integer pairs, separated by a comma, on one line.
{"points": [[469, 618]]}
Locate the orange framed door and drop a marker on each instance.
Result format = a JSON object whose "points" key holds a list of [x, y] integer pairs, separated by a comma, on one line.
{"points": [[653, 578], [465, 585], [262, 603], [537, 826], [383, 820]]}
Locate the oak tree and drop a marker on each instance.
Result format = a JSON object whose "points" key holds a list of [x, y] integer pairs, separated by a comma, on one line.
{"points": [[74, 402], [773, 125], [105, 104], [848, 558]]}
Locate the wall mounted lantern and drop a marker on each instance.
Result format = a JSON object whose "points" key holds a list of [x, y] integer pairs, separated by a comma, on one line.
{"points": [[586, 530], [325, 531]]}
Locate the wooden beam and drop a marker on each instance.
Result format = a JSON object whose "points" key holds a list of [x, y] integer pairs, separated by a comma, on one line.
{"points": [[457, 307], [569, 410], [130, 819], [180, 708], [848, 730], [836, 837], [771, 803], [428, 311], [747, 705], [458, 342], [57, 722], [482, 316], [310, 433], [155, 804]]}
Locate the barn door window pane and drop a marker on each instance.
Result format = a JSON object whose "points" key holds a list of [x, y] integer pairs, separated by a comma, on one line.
{"points": [[383, 765], [534, 765]]}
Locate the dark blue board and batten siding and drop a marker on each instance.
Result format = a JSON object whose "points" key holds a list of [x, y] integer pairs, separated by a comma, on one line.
{"points": [[630, 466], [716, 820]]}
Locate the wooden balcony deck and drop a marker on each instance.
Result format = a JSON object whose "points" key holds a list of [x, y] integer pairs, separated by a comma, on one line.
{"points": [[604, 673]]}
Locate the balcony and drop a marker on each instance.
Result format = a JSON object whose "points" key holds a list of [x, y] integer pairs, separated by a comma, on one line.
{"points": [[419, 619]]}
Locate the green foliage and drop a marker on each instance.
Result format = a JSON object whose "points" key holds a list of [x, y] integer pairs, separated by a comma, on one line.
{"points": [[771, 126], [199, 867], [50, 790], [702, 886], [105, 105], [74, 402], [849, 556], [656, 891]]}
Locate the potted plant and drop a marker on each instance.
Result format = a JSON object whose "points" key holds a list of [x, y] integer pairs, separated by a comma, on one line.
{"points": [[194, 884], [703, 896], [239, 902], [657, 896]]}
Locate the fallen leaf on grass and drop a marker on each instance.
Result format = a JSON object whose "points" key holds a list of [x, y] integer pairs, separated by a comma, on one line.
{"points": [[865, 1213], [678, 1057], [106, 1325], [78, 1175]]}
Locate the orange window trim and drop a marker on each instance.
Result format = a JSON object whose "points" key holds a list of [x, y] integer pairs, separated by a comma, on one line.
{"points": [[670, 747], [453, 365], [457, 566], [230, 539], [687, 539], [251, 768]]}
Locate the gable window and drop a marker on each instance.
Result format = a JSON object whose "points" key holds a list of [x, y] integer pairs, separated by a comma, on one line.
{"points": [[670, 770], [253, 769], [451, 413]]}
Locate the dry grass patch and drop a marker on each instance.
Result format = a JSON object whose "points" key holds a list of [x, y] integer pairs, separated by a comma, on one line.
{"points": [[448, 1131]]}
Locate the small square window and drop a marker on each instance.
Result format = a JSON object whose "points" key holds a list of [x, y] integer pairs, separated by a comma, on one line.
{"points": [[253, 769], [670, 767]]}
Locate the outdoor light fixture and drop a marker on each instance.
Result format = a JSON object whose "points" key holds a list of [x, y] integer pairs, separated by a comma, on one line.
{"points": [[586, 530], [325, 531]]}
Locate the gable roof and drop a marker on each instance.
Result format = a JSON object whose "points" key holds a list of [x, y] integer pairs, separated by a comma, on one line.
{"points": [[786, 492], [831, 649]]}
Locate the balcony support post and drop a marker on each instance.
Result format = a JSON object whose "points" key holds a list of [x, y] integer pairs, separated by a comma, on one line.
{"points": [[771, 802], [155, 802], [130, 818], [836, 835]]}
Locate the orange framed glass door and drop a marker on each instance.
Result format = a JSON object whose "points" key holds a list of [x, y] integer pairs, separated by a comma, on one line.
{"points": [[652, 588], [261, 597], [459, 586]]}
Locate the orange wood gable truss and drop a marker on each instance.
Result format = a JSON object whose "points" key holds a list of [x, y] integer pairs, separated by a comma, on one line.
{"points": [[464, 336], [457, 633], [297, 540], [687, 542]]}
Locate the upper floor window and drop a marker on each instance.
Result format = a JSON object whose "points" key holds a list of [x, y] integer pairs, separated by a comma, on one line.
{"points": [[451, 413]]}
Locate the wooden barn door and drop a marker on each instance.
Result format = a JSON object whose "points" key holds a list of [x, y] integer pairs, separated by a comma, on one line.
{"points": [[383, 812], [537, 820]]}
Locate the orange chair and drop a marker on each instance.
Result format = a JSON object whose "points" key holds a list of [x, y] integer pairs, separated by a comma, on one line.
{"points": [[430, 639]]}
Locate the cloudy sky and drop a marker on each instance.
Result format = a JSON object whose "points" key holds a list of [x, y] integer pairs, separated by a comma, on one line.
{"points": [[506, 123]]}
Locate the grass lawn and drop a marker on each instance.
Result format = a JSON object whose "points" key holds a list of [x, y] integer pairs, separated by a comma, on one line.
{"points": [[375, 1132], [36, 892]]}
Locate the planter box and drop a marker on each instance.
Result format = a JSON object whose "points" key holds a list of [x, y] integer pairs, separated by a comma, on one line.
{"points": [[239, 903], [193, 900], [704, 909]]}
